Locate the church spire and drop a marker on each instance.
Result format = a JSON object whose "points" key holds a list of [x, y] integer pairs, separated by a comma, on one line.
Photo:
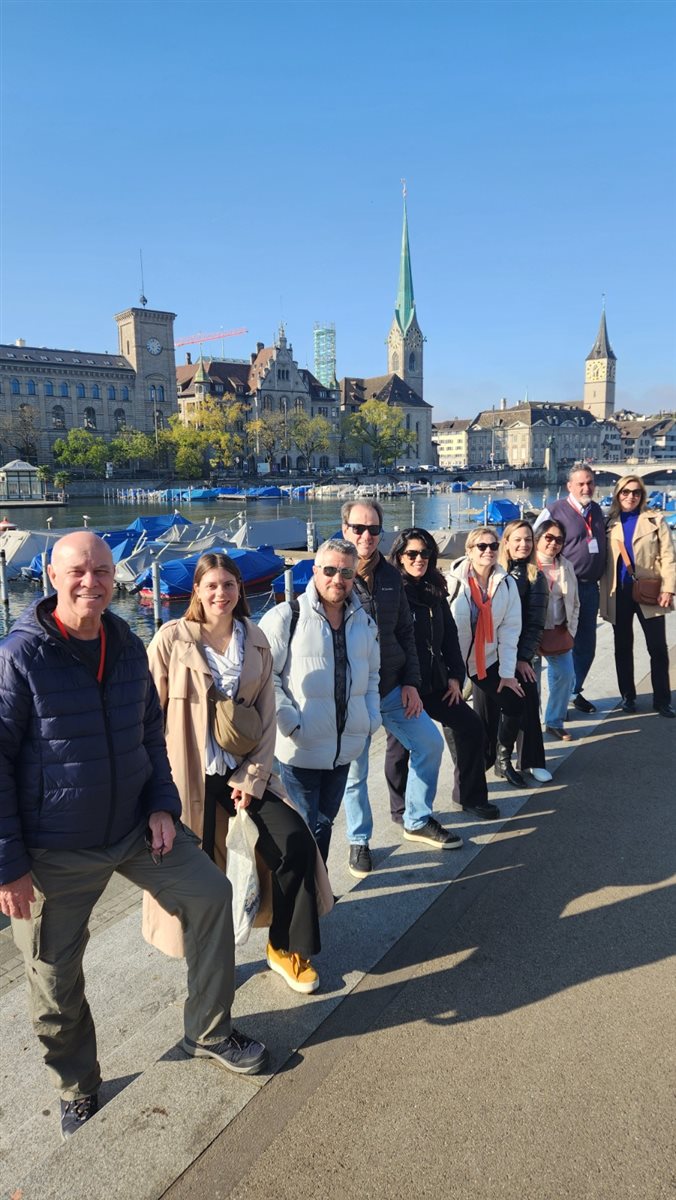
{"points": [[405, 310], [602, 347]]}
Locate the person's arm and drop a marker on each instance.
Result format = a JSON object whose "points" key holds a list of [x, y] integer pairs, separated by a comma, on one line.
{"points": [[450, 649], [16, 710], [666, 565], [509, 629], [251, 777], [534, 615], [160, 792], [276, 625], [404, 633], [373, 692]]}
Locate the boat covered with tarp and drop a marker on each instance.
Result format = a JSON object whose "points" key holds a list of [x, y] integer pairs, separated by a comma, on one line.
{"points": [[258, 568], [497, 512]]}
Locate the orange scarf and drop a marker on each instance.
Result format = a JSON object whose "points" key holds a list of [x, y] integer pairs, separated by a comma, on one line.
{"points": [[484, 626]]}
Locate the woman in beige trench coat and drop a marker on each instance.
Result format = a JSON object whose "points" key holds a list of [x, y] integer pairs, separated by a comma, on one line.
{"points": [[217, 643], [647, 542]]}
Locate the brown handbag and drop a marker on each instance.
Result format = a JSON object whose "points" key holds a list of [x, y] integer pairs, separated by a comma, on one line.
{"points": [[556, 641], [643, 591], [236, 727]]}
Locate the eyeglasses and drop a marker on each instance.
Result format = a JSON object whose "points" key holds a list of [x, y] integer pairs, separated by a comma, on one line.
{"points": [[156, 855], [413, 554], [551, 537], [483, 546], [374, 530], [344, 572], [630, 492]]}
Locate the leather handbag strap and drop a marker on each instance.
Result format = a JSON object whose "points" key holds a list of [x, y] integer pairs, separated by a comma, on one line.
{"points": [[626, 559]]}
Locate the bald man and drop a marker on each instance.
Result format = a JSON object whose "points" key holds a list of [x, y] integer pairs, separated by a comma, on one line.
{"points": [[86, 790]]}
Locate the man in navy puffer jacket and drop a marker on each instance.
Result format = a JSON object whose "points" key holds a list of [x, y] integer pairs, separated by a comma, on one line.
{"points": [[86, 790]]}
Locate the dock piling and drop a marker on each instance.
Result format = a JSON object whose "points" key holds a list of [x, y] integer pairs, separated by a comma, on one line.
{"points": [[4, 594], [157, 597]]}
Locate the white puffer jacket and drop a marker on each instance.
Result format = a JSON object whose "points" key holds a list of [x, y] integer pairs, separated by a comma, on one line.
{"points": [[304, 679], [506, 610]]}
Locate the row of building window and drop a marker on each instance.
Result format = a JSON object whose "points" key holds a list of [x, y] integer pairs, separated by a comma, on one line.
{"points": [[64, 390], [88, 418]]}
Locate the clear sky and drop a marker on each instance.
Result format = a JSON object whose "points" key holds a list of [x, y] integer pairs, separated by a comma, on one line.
{"points": [[255, 151]]}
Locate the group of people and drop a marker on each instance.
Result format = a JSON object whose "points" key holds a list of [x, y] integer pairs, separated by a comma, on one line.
{"points": [[110, 758]]}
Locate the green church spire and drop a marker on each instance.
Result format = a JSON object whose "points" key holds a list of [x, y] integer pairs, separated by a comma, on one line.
{"points": [[405, 310]]}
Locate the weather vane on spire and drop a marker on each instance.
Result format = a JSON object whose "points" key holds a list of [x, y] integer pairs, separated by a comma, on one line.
{"points": [[403, 188]]}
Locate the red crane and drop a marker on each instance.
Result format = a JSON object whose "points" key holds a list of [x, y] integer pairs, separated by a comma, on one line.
{"points": [[209, 337]]}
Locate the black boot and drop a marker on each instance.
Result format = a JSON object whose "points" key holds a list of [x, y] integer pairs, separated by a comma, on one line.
{"points": [[504, 769]]}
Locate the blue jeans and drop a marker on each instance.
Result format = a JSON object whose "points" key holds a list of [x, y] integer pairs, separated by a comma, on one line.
{"points": [[561, 679], [420, 736], [317, 796], [585, 638]]}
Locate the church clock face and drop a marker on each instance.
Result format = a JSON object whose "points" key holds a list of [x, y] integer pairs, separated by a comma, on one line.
{"points": [[153, 346]]}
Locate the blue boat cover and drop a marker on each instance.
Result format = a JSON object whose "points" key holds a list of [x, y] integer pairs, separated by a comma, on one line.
{"points": [[302, 574], [156, 525], [498, 512], [176, 575]]}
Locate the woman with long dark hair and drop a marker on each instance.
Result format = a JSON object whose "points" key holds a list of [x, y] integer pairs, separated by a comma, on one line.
{"points": [[563, 610], [216, 646], [414, 553], [640, 547]]}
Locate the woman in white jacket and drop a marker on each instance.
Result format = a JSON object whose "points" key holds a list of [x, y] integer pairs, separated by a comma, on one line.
{"points": [[487, 610]]}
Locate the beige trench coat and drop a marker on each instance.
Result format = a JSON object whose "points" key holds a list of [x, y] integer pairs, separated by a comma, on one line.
{"points": [[183, 679], [654, 558]]}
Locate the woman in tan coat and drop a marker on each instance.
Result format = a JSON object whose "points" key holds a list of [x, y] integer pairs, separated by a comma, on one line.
{"points": [[216, 644], [647, 543]]}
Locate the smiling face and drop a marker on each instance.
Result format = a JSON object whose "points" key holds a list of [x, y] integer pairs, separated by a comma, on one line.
{"points": [[218, 593], [582, 486], [520, 543], [83, 576], [411, 558], [630, 496], [366, 543], [483, 552], [334, 589]]}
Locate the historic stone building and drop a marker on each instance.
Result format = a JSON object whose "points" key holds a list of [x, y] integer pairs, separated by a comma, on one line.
{"points": [[519, 436], [451, 439], [599, 376], [44, 392], [403, 384], [270, 382]]}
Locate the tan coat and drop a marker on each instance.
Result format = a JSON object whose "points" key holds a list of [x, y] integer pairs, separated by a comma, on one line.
{"points": [[182, 676], [653, 556]]}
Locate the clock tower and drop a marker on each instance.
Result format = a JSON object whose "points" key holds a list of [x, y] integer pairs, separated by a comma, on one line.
{"points": [[405, 339], [146, 340], [599, 376]]}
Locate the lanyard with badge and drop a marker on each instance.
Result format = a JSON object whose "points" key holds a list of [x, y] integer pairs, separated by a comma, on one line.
{"points": [[592, 544], [102, 658]]}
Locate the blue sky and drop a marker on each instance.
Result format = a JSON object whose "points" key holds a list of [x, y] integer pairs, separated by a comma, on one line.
{"points": [[255, 151]]}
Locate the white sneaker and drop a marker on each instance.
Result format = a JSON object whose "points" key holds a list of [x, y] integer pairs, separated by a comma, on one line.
{"points": [[540, 775]]}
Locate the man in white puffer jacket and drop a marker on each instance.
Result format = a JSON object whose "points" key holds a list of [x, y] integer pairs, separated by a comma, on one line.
{"points": [[326, 672]]}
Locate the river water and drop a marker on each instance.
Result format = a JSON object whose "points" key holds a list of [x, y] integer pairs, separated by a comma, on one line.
{"points": [[431, 512]]}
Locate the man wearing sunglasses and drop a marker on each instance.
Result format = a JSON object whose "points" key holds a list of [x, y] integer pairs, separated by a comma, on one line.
{"points": [[584, 547], [381, 590], [325, 663]]}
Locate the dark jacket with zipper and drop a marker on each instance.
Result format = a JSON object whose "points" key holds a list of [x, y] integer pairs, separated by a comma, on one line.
{"points": [[534, 602], [388, 606], [436, 636], [81, 763]]}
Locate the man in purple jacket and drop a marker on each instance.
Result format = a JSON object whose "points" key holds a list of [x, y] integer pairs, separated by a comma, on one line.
{"points": [[585, 548]]}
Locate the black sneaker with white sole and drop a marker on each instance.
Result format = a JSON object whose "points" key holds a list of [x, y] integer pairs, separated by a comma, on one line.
{"points": [[360, 863], [238, 1052], [434, 834]]}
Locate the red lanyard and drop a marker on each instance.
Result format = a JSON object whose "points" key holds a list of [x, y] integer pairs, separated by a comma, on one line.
{"points": [[102, 660], [587, 520]]}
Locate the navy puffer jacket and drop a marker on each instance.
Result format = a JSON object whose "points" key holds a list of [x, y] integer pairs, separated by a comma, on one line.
{"points": [[81, 763]]}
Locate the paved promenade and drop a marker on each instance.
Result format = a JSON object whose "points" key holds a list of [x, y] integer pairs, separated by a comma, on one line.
{"points": [[495, 1022]]}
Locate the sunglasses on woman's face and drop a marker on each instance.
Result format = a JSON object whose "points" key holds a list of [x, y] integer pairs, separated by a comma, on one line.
{"points": [[413, 554], [344, 572], [483, 546], [552, 537], [630, 492]]}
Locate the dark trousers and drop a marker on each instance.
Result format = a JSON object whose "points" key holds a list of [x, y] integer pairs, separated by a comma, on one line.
{"points": [[466, 744], [288, 849], [531, 745], [656, 641], [584, 647], [501, 712]]}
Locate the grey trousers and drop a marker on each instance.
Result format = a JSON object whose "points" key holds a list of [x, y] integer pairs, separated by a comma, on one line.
{"points": [[67, 885]]}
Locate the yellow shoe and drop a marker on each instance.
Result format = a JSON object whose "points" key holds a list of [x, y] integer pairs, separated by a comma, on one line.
{"points": [[296, 971]]}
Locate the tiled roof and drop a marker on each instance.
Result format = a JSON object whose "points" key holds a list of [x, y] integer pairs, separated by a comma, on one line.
{"points": [[389, 388], [42, 357], [455, 426], [530, 413]]}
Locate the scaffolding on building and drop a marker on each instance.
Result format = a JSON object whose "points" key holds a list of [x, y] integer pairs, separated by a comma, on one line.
{"points": [[325, 354]]}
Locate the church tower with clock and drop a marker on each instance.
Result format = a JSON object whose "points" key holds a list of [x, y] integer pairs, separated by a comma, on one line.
{"points": [[405, 339], [599, 376], [146, 340]]}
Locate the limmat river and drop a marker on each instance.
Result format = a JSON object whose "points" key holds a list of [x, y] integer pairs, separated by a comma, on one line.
{"points": [[431, 512]]}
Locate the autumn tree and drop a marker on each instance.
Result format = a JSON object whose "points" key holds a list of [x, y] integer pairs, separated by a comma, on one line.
{"points": [[268, 433], [312, 435], [130, 447], [80, 448], [382, 428]]}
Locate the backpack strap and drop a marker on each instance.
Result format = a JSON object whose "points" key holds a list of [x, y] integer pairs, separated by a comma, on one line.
{"points": [[295, 613]]}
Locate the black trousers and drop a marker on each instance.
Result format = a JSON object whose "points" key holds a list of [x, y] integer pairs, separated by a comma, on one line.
{"points": [[654, 632], [288, 849], [467, 750], [501, 713], [531, 746]]}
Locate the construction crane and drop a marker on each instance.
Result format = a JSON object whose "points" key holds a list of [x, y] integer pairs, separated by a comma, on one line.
{"points": [[209, 337]]}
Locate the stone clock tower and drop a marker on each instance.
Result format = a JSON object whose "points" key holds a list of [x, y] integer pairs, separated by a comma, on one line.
{"points": [[146, 340], [599, 376], [405, 339]]}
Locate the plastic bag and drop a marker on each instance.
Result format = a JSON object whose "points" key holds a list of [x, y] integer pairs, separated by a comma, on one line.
{"points": [[242, 873]]}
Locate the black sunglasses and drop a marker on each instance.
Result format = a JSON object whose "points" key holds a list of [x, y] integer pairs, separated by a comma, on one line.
{"points": [[630, 492], [344, 572], [374, 530], [492, 546], [553, 537], [413, 554]]}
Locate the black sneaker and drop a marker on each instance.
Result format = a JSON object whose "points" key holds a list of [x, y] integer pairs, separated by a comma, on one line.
{"points": [[360, 862], [628, 706], [434, 834], [74, 1113], [487, 812], [583, 705], [238, 1052]]}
